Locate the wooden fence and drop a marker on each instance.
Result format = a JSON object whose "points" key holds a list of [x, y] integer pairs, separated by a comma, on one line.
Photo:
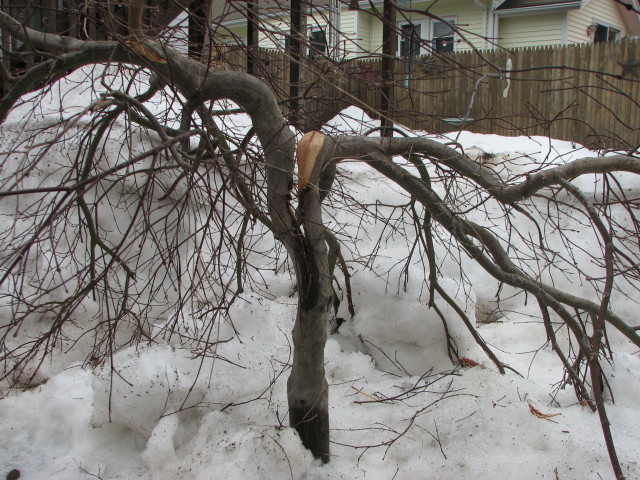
{"points": [[574, 92]]}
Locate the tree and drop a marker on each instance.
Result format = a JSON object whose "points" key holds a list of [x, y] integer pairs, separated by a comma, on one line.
{"points": [[169, 173]]}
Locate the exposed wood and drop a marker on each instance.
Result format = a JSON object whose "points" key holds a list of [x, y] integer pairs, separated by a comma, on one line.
{"points": [[307, 152]]}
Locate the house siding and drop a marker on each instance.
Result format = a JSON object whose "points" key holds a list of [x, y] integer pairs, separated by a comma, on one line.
{"points": [[468, 16], [530, 30], [272, 32], [229, 35], [350, 39], [364, 26], [273, 29], [361, 31], [600, 11], [375, 35]]}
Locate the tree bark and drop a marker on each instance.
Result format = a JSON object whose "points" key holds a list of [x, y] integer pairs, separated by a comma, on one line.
{"points": [[198, 29], [388, 54], [307, 388], [302, 237], [297, 45], [252, 34]]}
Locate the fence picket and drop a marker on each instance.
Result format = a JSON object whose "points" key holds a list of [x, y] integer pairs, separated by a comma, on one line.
{"points": [[584, 99]]}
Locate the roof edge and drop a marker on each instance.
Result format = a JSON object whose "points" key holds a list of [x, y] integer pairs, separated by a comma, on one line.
{"points": [[538, 9]]}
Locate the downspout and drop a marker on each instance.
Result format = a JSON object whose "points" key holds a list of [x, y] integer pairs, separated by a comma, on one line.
{"points": [[484, 22], [333, 29], [356, 25], [492, 26], [354, 7], [495, 28]]}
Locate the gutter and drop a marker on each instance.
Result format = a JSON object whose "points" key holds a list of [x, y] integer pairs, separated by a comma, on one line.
{"points": [[364, 4], [538, 9], [231, 23]]}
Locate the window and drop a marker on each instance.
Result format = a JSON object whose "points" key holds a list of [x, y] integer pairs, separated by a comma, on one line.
{"points": [[410, 40], [29, 13], [317, 43], [604, 33], [285, 40], [424, 37], [443, 36]]}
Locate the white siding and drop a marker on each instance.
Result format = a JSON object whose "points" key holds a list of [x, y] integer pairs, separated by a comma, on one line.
{"points": [[229, 35], [604, 12], [529, 30], [364, 25], [468, 15], [349, 39], [273, 32], [361, 31], [375, 34]]}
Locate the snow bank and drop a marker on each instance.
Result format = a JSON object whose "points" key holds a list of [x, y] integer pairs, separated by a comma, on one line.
{"points": [[147, 383], [172, 408]]}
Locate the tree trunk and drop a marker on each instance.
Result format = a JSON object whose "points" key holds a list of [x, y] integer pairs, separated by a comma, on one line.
{"points": [[307, 388], [389, 36], [297, 46], [252, 34], [198, 29]]}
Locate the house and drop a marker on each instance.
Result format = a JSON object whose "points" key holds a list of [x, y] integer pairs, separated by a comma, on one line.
{"points": [[352, 28], [562, 22], [95, 20], [85, 20]]}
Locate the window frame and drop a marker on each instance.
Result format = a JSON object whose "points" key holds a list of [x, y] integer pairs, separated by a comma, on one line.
{"points": [[447, 21], [427, 30], [610, 29], [312, 51], [283, 40]]}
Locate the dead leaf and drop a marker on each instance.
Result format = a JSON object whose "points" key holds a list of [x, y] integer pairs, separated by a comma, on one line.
{"points": [[467, 362], [539, 414]]}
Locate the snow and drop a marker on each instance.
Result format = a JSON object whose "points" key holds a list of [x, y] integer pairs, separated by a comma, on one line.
{"points": [[171, 410]]}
